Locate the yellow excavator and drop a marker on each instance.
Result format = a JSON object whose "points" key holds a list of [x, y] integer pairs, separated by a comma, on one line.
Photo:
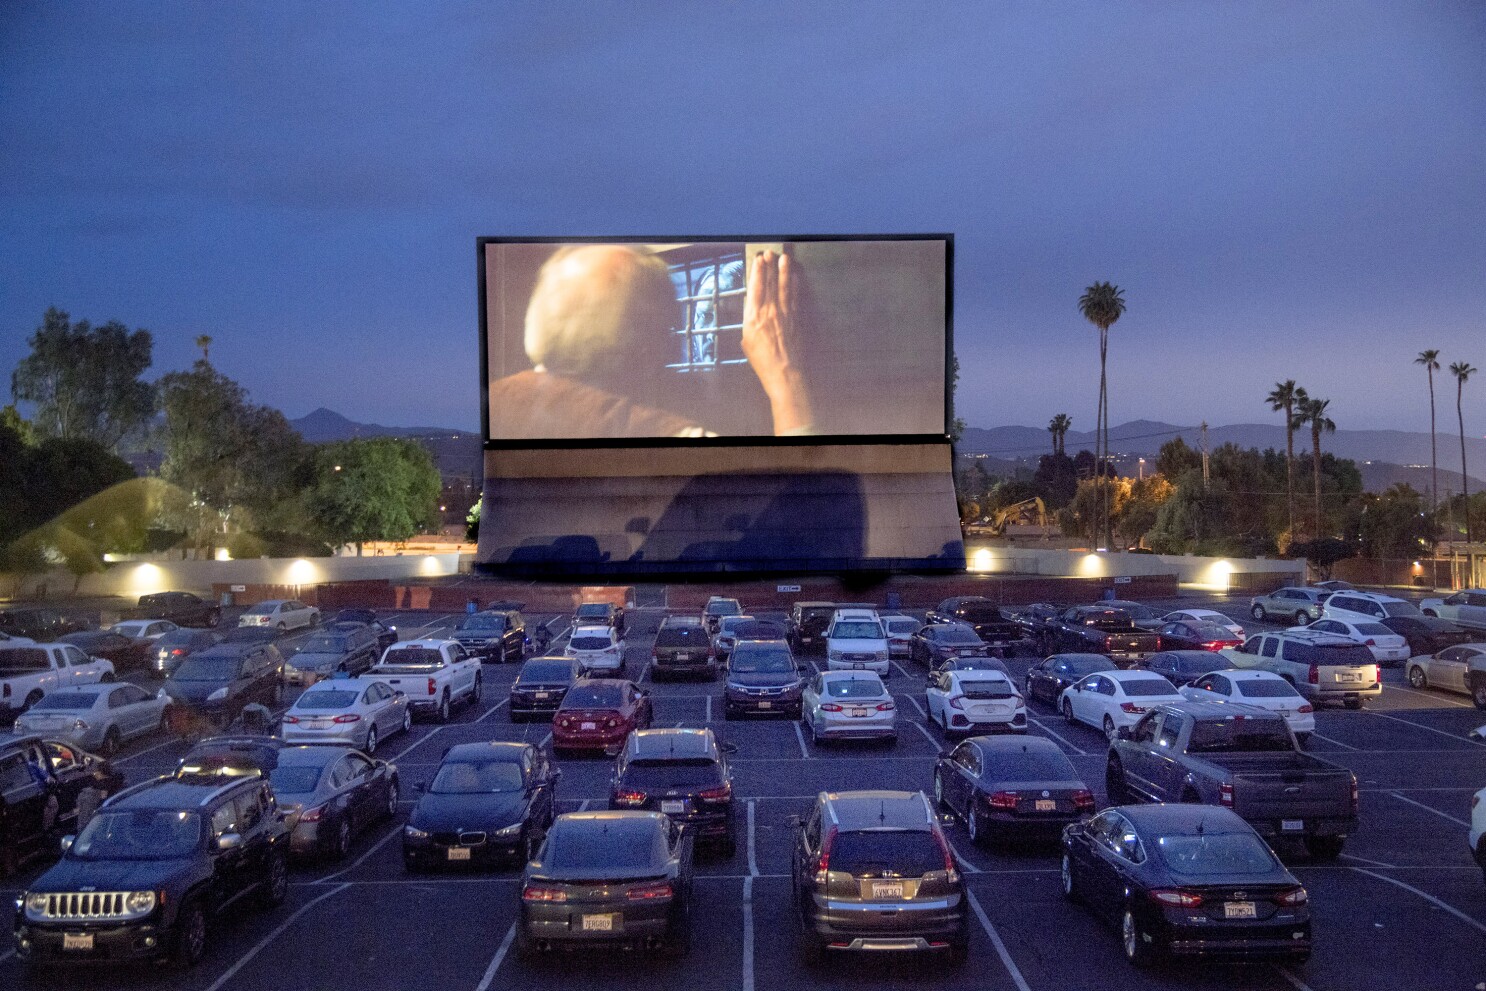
{"points": [[1027, 511]]}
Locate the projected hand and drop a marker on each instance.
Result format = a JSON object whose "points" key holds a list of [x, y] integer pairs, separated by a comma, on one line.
{"points": [[771, 328]]}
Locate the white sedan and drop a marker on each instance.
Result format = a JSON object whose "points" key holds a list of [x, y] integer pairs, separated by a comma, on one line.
{"points": [[1203, 616], [1257, 688], [1112, 700], [848, 705], [970, 701], [97, 717], [1478, 828], [599, 650], [281, 614], [1387, 647], [353, 712], [144, 629], [1460, 668]]}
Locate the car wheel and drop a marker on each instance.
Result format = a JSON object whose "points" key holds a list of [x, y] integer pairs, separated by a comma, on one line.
{"points": [[276, 694], [1138, 950], [342, 845], [814, 733], [1110, 733], [1068, 712], [190, 935], [107, 677], [1431, 614], [1114, 783], [1258, 612], [479, 690], [443, 712], [959, 951], [371, 741], [282, 629], [678, 940], [972, 826], [407, 720], [1325, 847], [1302, 618], [812, 949], [939, 802], [31, 700], [276, 886], [111, 741], [529, 848], [1417, 678], [1070, 884], [1478, 690], [391, 808]]}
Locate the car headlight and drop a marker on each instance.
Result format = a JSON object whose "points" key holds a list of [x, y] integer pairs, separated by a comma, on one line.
{"points": [[78, 724], [35, 903], [140, 902], [833, 655], [413, 833], [509, 833], [217, 696], [882, 655]]}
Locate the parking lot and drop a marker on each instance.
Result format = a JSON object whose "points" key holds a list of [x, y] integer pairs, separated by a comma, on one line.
{"points": [[1405, 906]]}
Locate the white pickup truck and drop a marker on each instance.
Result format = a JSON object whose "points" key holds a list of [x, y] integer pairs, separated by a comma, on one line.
{"points": [[434, 674], [30, 671]]}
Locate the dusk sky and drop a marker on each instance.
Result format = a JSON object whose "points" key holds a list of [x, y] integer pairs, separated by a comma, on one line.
{"points": [[1282, 190]]}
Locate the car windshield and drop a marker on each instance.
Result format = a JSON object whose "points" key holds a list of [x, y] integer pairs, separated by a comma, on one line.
{"points": [[324, 645], [1147, 687], [1212, 630], [414, 657], [489, 777], [65, 700], [199, 668], [598, 609], [1239, 734], [761, 662], [1266, 688], [1088, 665], [15, 660], [854, 688], [592, 697], [886, 853], [261, 609], [327, 699], [145, 834], [1028, 766], [1216, 854], [478, 622], [986, 688], [980, 613], [592, 845], [591, 643], [1401, 609], [547, 672], [689, 773], [293, 780], [856, 631], [723, 607]]}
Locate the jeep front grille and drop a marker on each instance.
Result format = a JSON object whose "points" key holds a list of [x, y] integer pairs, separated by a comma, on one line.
{"points": [[88, 906]]}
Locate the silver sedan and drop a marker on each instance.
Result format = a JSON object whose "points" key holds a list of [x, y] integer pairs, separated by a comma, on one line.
{"points": [[848, 705], [95, 717], [354, 712]]}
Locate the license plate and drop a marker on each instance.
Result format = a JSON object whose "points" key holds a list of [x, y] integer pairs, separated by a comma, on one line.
{"points": [[1239, 910], [967, 653], [459, 853], [1046, 805], [598, 923], [887, 889], [858, 713], [683, 657], [77, 941], [588, 725], [543, 695], [1349, 677], [673, 808], [858, 666], [766, 704], [1292, 825]]}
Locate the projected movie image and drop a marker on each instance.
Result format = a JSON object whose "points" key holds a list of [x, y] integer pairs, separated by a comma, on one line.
{"points": [[828, 338]]}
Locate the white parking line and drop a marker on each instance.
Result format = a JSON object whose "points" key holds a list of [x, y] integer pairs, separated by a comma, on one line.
{"points": [[1295, 982], [584, 806], [1422, 894], [928, 736], [418, 742], [1344, 746], [1429, 695], [495, 961], [752, 858], [1059, 737], [799, 735], [985, 923], [1427, 808], [902, 669], [491, 711], [748, 919], [1364, 860], [920, 708], [1431, 729], [965, 864], [709, 708], [246, 958], [148, 750], [394, 831]]}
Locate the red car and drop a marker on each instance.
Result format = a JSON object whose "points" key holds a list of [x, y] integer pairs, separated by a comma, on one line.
{"points": [[598, 714], [1188, 635]]}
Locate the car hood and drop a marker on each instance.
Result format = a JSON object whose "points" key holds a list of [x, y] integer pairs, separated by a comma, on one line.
{"points": [[315, 662], [194, 691], [462, 812], [72, 874]]}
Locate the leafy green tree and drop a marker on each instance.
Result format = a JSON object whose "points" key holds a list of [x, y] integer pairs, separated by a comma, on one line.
{"points": [[1056, 479], [472, 522], [1395, 524], [378, 488], [1102, 304], [1323, 554], [85, 380], [1175, 459], [1195, 515]]}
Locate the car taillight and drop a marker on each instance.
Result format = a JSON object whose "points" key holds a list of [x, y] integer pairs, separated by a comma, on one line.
{"points": [[177, 652], [1307, 707], [823, 866], [717, 794], [611, 722], [1225, 795], [958, 702], [1173, 896], [655, 652], [1292, 896], [824, 707], [312, 815], [349, 717], [1083, 799], [543, 893], [291, 720], [1314, 674], [711, 653], [1370, 642], [630, 797], [432, 686], [1356, 796], [651, 891], [1002, 800], [886, 706], [1131, 707], [951, 869]]}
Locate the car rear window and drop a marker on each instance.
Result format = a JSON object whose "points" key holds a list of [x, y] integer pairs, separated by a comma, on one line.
{"points": [[1146, 687], [903, 626], [293, 780], [1328, 655], [1088, 665], [261, 608], [478, 622], [886, 853], [986, 688], [958, 638], [590, 846], [1202, 665], [326, 700], [1239, 734], [547, 673], [692, 773], [591, 697], [679, 636], [854, 688], [591, 643], [324, 645], [1029, 766], [1213, 854], [1266, 689], [65, 700], [1373, 630]]}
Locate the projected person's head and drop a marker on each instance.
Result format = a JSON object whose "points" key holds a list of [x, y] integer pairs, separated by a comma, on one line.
{"points": [[604, 314]]}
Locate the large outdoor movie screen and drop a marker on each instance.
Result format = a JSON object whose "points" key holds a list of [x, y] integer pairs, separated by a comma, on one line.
{"points": [[809, 337]]}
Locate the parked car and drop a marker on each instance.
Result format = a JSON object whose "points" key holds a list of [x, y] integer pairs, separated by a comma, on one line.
{"points": [[352, 712], [230, 756], [1204, 616], [125, 653], [146, 629], [1182, 667], [142, 878], [182, 608], [682, 646], [351, 650], [1461, 668], [1099, 630], [1187, 635], [856, 641], [848, 705], [1239, 757], [763, 679], [328, 794], [1046, 679], [599, 614], [1140, 614], [1466, 607], [175, 647], [434, 674], [900, 631], [496, 635], [597, 714], [1296, 603], [1322, 666], [40, 781], [210, 688], [1112, 700], [1185, 881], [726, 637], [540, 686], [645, 904], [963, 702], [968, 664], [682, 773], [1387, 648], [39, 625], [807, 623], [488, 803], [1366, 607], [97, 718], [598, 649], [1478, 828], [29, 672], [386, 632], [934, 644], [1427, 634], [280, 614], [1005, 788], [717, 607], [1261, 689], [872, 870], [985, 617]]}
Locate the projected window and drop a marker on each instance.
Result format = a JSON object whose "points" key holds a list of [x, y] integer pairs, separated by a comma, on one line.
{"points": [[710, 289]]}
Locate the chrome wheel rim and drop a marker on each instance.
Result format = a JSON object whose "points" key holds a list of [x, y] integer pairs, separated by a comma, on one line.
{"points": [[1067, 875], [1128, 934]]}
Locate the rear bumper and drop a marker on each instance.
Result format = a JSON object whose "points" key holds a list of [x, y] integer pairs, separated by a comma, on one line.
{"points": [[1274, 939], [1309, 827], [888, 926]]}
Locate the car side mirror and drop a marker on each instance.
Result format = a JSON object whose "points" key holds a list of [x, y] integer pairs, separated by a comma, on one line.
{"points": [[1123, 733], [728, 748], [67, 842], [229, 841]]}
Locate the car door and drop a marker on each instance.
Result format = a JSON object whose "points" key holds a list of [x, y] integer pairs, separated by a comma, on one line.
{"points": [[1139, 764], [358, 778], [228, 873], [1086, 699], [1168, 776], [1448, 667], [968, 768], [1098, 876], [23, 811], [937, 691]]}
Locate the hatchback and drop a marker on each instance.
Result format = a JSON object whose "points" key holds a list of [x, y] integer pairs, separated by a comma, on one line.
{"points": [[682, 773]]}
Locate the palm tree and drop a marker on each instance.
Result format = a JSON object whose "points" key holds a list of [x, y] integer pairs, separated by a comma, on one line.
{"points": [[1431, 361], [1312, 413], [1283, 398], [1462, 371], [204, 342], [1058, 427], [1101, 304]]}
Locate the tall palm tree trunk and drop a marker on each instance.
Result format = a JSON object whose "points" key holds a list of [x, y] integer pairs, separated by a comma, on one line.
{"points": [[1465, 485], [1103, 478], [1290, 467], [1316, 471], [1434, 453]]}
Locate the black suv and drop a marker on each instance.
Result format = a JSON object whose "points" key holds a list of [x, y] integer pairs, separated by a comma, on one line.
{"points": [[181, 608], [39, 783], [157, 860], [494, 634], [210, 687], [682, 646], [873, 871], [807, 626], [682, 773], [41, 625]]}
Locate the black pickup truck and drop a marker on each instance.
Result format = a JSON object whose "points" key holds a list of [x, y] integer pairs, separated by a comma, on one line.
{"points": [[994, 628], [1240, 757], [1095, 630]]}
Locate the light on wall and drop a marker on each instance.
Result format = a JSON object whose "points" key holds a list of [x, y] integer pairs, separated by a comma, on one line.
{"points": [[1091, 566], [981, 560]]}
